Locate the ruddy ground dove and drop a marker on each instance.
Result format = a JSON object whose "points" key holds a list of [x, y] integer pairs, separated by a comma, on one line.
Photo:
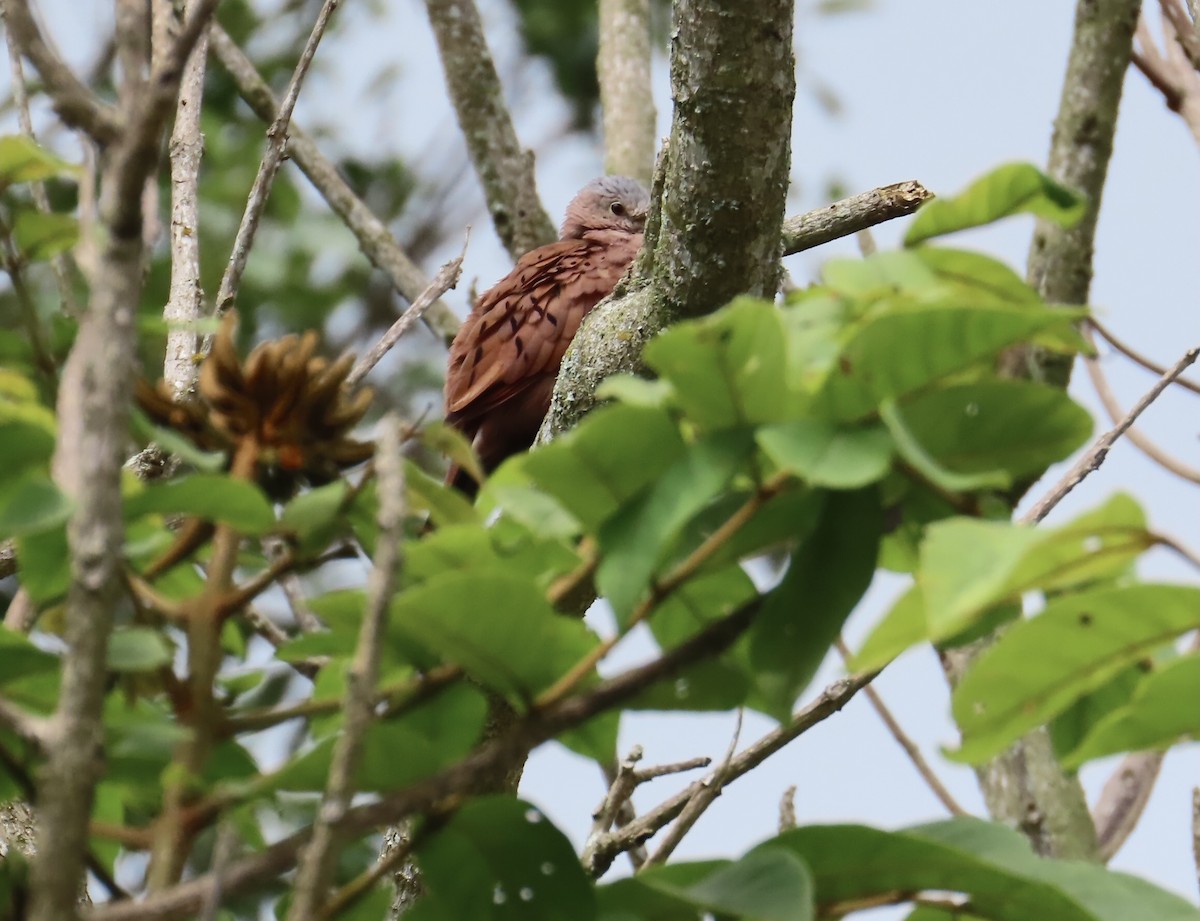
{"points": [[507, 353]]}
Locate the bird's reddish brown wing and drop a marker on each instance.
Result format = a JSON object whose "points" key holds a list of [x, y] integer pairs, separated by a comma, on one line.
{"points": [[519, 330]]}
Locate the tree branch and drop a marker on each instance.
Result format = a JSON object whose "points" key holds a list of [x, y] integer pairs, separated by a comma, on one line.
{"points": [[626, 102], [93, 413], [277, 136], [374, 239], [74, 103], [1123, 800], [830, 701], [717, 201], [1095, 455], [852, 215], [317, 862], [505, 170], [183, 308]]}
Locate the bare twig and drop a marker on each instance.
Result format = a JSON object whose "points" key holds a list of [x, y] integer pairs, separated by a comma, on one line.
{"points": [[446, 278], [317, 862], [223, 851], [1095, 455], [277, 136], [25, 726], [710, 788], [787, 809], [75, 104], [851, 215], [1172, 70], [183, 307], [1137, 357], [626, 102], [1196, 831], [61, 263], [1123, 800], [1113, 407], [375, 240], [621, 787], [505, 170], [910, 747], [830, 701]]}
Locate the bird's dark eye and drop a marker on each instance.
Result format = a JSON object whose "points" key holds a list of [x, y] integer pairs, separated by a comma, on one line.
{"points": [[617, 208]]}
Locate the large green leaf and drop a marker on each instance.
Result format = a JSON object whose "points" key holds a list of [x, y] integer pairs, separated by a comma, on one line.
{"points": [[28, 676], [992, 865], [498, 627], [403, 750], [499, 859], [801, 618], [1015, 188], [823, 454], [23, 444], [209, 496], [726, 369], [599, 465], [1163, 709], [954, 334], [22, 160], [1040, 666], [768, 884], [719, 684], [635, 539], [1020, 427], [30, 504], [41, 235], [968, 566], [137, 649]]}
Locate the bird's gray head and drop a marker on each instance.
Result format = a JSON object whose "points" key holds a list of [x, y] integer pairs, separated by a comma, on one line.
{"points": [[607, 203]]}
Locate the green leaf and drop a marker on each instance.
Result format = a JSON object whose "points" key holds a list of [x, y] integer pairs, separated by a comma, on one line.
{"points": [[446, 439], [903, 626], [43, 235], [719, 684], [211, 497], [968, 566], [726, 368], [32, 504], [1016, 188], [45, 564], [444, 504], [1070, 727], [1020, 427], [24, 444], [635, 391], [497, 626], [992, 865], [1040, 666], [822, 454], [976, 276], [635, 540], [1161, 711], [911, 449], [314, 517], [137, 649], [801, 618], [499, 859], [768, 884], [613, 454], [28, 676], [954, 334], [21, 160], [433, 735]]}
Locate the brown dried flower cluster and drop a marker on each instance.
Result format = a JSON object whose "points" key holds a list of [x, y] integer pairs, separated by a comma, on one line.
{"points": [[293, 404]]}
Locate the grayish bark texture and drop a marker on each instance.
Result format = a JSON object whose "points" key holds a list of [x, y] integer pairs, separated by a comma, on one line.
{"points": [[504, 168], [626, 101], [717, 203], [1025, 786]]}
